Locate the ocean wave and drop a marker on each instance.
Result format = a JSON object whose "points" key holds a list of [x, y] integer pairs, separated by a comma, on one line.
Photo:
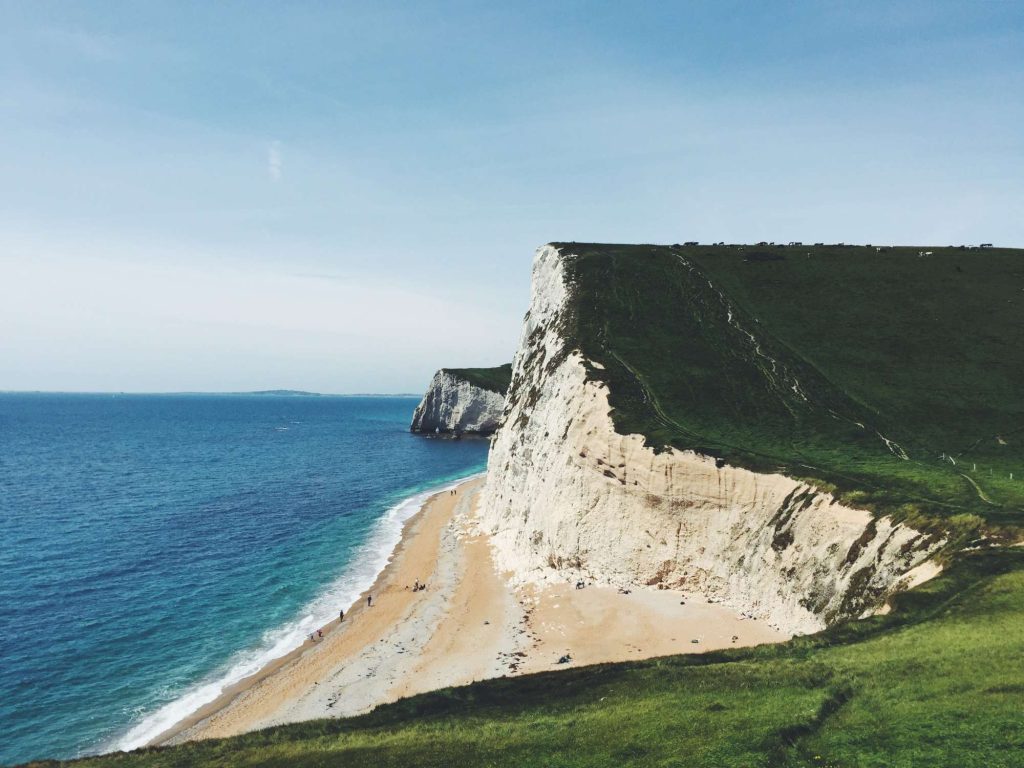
{"points": [[370, 559]]}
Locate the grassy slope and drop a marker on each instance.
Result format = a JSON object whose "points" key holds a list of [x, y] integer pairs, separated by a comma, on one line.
{"points": [[928, 352], [492, 379], [938, 682]]}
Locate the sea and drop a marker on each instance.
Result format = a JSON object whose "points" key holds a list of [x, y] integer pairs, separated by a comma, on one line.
{"points": [[155, 549]]}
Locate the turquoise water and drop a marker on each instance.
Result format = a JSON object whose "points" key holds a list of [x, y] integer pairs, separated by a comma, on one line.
{"points": [[155, 547]]}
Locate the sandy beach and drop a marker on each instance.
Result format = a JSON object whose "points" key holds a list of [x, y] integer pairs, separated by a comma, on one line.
{"points": [[468, 624]]}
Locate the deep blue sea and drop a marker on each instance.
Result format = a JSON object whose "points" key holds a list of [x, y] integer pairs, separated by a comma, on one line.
{"points": [[156, 547]]}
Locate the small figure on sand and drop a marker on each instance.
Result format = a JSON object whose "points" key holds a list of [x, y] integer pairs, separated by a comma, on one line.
{"points": [[312, 637], [341, 615], [416, 586], [320, 633], [369, 601]]}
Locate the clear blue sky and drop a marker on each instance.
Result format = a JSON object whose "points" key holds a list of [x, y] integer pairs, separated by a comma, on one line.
{"points": [[345, 196]]}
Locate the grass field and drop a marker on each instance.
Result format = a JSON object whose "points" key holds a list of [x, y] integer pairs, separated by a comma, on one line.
{"points": [[937, 682], [832, 363], [493, 379]]}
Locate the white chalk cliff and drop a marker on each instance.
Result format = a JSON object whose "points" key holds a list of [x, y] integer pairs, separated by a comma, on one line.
{"points": [[454, 405], [568, 497]]}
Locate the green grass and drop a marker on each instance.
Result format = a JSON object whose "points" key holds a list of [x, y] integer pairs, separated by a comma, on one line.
{"points": [[493, 379], [938, 682], [925, 351]]}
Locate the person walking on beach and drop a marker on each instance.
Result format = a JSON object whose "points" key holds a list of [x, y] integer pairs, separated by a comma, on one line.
{"points": [[341, 616], [369, 601], [320, 633]]}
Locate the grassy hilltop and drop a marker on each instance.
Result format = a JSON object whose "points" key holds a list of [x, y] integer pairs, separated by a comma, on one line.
{"points": [[894, 377], [492, 379]]}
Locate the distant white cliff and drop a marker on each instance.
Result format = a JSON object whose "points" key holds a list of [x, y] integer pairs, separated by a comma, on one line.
{"points": [[569, 497], [457, 403]]}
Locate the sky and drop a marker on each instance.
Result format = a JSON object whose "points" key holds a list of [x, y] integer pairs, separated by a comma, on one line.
{"points": [[343, 197]]}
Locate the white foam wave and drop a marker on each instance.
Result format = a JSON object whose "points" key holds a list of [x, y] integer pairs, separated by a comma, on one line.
{"points": [[369, 560]]}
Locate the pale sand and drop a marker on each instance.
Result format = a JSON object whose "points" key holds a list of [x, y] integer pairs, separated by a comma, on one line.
{"points": [[467, 625]]}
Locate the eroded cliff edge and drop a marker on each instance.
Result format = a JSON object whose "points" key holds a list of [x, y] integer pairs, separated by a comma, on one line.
{"points": [[567, 496], [463, 401]]}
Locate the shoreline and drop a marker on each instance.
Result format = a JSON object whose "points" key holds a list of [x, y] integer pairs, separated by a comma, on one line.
{"points": [[243, 706], [470, 623], [148, 731]]}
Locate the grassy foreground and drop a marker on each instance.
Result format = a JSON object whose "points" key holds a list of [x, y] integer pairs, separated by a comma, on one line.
{"points": [[937, 682], [895, 377]]}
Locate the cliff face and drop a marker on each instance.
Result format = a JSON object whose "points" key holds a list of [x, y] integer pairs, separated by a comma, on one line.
{"points": [[567, 496], [454, 403]]}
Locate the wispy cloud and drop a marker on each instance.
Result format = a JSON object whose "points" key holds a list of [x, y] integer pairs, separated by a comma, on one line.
{"points": [[274, 161], [85, 44]]}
